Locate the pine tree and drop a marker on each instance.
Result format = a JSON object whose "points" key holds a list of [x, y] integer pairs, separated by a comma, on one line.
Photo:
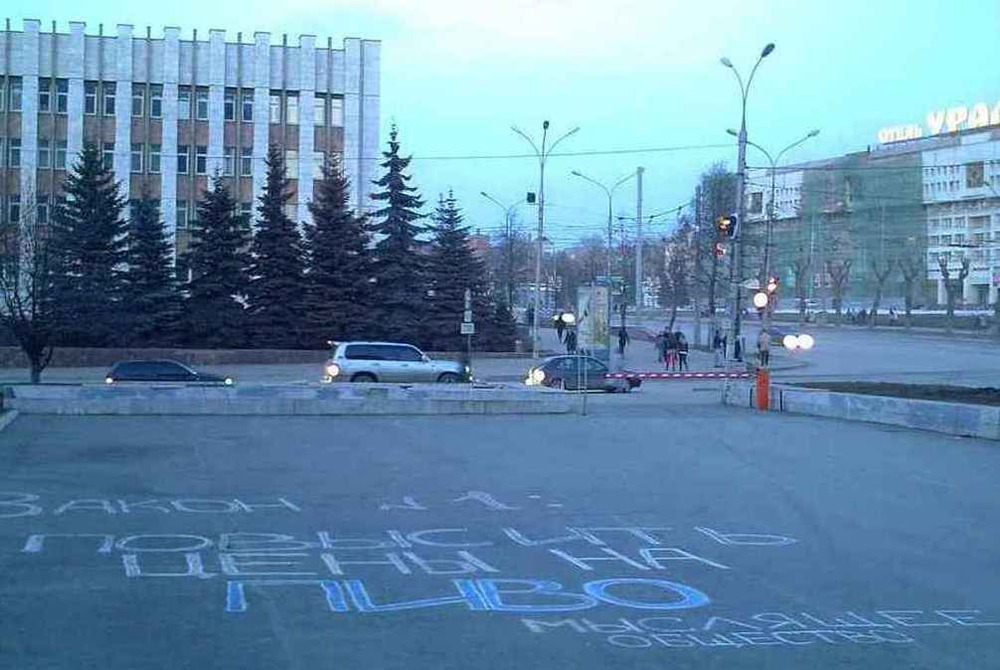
{"points": [[151, 298], [88, 247], [214, 314], [452, 269], [276, 273], [338, 287], [399, 289]]}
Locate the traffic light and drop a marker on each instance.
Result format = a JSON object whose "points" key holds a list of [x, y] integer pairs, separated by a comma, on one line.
{"points": [[530, 199], [720, 249], [772, 284], [727, 225]]}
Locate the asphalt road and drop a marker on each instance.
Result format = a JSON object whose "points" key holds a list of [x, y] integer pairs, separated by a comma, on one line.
{"points": [[692, 536]]}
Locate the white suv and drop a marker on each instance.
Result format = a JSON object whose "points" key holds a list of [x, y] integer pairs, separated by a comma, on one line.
{"points": [[389, 362]]}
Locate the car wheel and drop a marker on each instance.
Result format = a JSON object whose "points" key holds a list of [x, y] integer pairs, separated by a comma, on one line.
{"points": [[364, 377], [449, 378]]}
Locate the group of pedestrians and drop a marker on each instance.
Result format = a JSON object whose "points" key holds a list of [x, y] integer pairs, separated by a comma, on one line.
{"points": [[672, 350]]}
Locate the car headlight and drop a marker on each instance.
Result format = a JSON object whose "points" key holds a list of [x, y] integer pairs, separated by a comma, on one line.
{"points": [[537, 375], [228, 381], [331, 370], [109, 380], [806, 341]]}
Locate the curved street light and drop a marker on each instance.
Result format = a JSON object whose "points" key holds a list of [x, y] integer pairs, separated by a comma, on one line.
{"points": [[508, 212], [737, 265], [773, 160], [609, 191], [542, 154]]}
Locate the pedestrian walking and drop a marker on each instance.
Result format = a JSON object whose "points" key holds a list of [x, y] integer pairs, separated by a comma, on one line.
{"points": [[560, 325], [671, 357], [764, 348], [660, 345], [719, 347], [682, 352], [570, 341], [622, 340]]}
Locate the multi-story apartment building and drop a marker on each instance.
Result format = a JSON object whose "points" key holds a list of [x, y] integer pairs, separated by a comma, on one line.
{"points": [[927, 195], [168, 113]]}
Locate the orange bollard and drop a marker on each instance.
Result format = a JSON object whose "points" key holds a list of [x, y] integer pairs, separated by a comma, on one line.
{"points": [[763, 389]]}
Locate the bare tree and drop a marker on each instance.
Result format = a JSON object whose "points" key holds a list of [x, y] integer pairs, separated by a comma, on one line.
{"points": [[882, 273], [952, 285], [26, 303], [675, 284], [800, 268], [912, 267], [840, 273]]}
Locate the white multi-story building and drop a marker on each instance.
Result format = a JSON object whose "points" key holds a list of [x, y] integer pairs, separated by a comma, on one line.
{"points": [[949, 181], [167, 113]]}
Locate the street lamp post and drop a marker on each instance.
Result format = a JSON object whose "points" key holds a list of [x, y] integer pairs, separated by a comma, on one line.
{"points": [[508, 211], [542, 155], [771, 205], [740, 188], [609, 192]]}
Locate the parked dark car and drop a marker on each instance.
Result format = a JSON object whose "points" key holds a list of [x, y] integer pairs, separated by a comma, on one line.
{"points": [[573, 373], [161, 371]]}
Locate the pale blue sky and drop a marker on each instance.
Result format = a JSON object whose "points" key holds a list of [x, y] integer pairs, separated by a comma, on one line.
{"points": [[633, 73]]}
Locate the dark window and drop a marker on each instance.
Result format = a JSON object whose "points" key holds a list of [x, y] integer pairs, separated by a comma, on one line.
{"points": [[138, 99], [229, 105], [156, 101], [974, 175], [756, 203], [44, 95], [62, 96], [595, 368], [109, 97], [404, 353], [168, 370], [368, 352], [90, 97]]}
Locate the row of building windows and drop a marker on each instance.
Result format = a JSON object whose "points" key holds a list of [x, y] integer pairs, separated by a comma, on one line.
{"points": [[100, 97], [148, 158]]}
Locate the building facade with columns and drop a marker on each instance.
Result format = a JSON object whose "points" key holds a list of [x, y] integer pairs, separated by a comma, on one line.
{"points": [[930, 196], [168, 113]]}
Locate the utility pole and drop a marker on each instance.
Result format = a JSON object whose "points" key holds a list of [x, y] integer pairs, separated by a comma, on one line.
{"points": [[638, 237], [736, 269], [696, 244], [542, 155]]}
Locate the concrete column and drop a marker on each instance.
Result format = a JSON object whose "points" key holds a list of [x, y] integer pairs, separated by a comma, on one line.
{"points": [[942, 294], [969, 293], [123, 107], [261, 108], [307, 127], [369, 130], [352, 118], [168, 160], [29, 111], [74, 117], [216, 99]]}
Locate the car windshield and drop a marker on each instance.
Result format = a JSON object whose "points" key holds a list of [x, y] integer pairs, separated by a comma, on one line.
{"points": [[710, 295]]}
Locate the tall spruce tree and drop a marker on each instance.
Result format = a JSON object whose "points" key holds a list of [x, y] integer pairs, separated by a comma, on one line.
{"points": [[213, 312], [452, 268], [276, 271], [338, 287], [88, 255], [400, 289], [151, 298]]}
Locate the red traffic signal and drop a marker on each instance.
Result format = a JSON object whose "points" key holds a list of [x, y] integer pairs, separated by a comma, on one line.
{"points": [[720, 249]]}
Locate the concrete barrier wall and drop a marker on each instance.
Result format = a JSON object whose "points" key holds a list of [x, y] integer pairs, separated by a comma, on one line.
{"points": [[261, 399], [941, 417]]}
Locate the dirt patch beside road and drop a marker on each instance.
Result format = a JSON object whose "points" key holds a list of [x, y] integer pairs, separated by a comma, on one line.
{"points": [[941, 393]]}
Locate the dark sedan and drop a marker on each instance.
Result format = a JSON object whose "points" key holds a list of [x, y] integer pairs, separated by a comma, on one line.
{"points": [[161, 371], [572, 373]]}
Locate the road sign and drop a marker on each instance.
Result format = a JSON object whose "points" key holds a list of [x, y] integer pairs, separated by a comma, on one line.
{"points": [[468, 328], [467, 316]]}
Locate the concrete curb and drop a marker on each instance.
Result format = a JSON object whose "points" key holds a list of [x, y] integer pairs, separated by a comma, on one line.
{"points": [[7, 418], [950, 418], [270, 399]]}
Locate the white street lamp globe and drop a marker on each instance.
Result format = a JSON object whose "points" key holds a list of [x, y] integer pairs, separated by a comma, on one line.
{"points": [[568, 318], [806, 342], [760, 300], [790, 342]]}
